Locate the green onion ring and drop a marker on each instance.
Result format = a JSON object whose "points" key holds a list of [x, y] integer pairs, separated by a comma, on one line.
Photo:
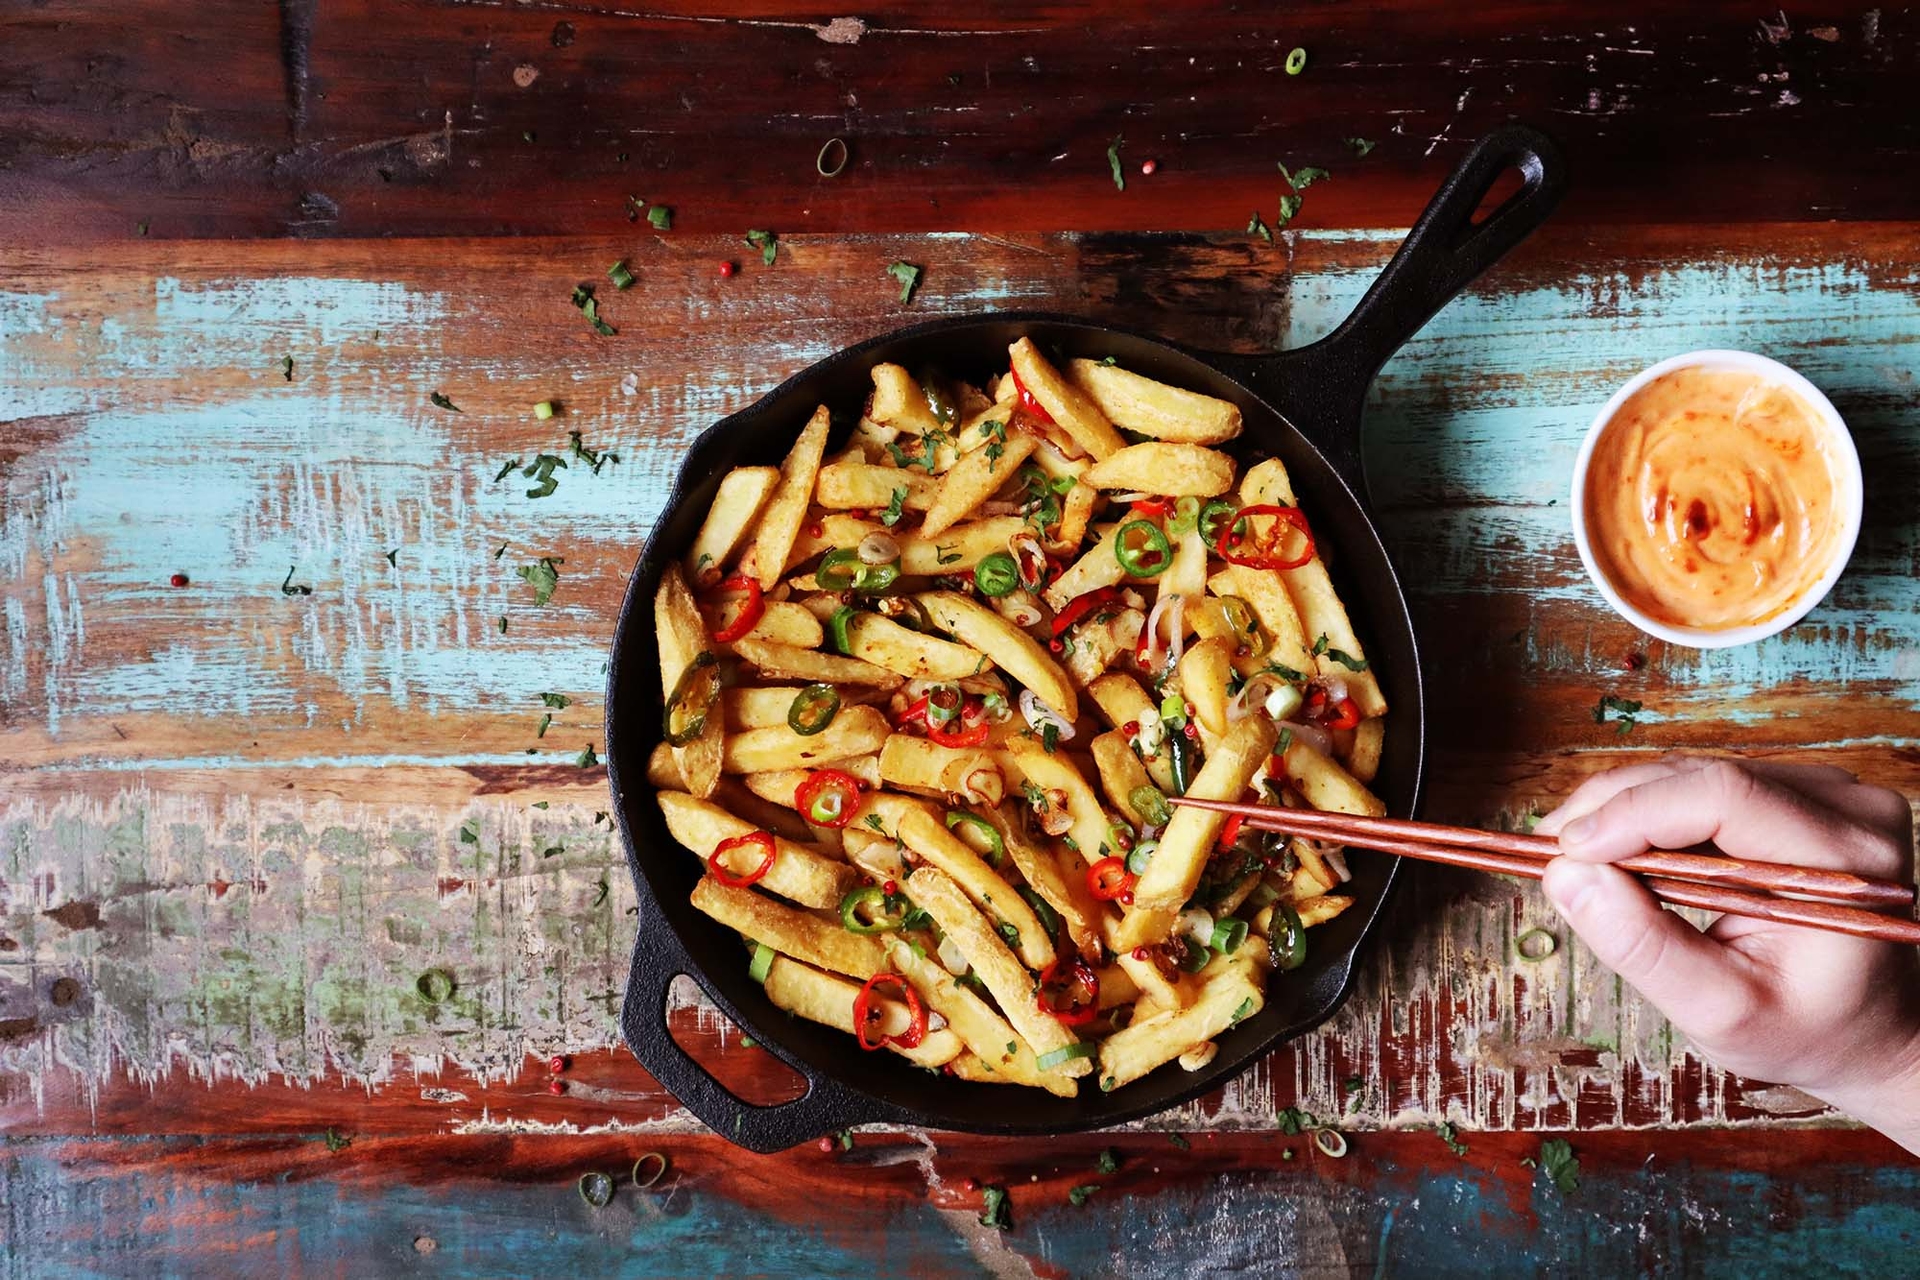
{"points": [[1535, 954], [1331, 1142], [1296, 62], [762, 962], [435, 986], [820, 161], [596, 1189], [659, 1169], [1065, 1053]]}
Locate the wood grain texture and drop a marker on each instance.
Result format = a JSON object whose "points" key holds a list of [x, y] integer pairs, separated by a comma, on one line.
{"points": [[233, 816], [479, 117]]}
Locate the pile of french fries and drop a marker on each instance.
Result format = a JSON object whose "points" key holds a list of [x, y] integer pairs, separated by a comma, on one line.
{"points": [[928, 698]]}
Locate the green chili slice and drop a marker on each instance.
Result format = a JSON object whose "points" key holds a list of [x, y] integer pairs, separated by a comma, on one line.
{"points": [[1287, 943], [875, 578], [837, 629], [1142, 548], [1195, 958], [1151, 805], [1065, 1053], [596, 1189], [996, 848], [1043, 910], [1182, 756], [1186, 515], [874, 898], [840, 570], [1213, 518], [813, 709], [762, 962], [996, 575], [692, 700], [1228, 934]]}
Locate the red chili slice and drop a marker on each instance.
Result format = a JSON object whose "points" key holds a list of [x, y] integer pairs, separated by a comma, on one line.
{"points": [[1158, 508], [964, 736], [752, 609], [1231, 832], [864, 1014], [1237, 546], [1027, 401], [1080, 606], [1345, 716], [1080, 977], [1109, 879], [840, 790], [752, 839]]}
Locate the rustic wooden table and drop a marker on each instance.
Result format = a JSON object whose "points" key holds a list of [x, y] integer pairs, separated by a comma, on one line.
{"points": [[232, 810]]}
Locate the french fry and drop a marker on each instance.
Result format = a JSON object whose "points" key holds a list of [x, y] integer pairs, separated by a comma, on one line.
{"points": [[885, 643], [780, 785], [757, 708], [1363, 759], [854, 732], [736, 505], [900, 402], [798, 874], [789, 930], [1056, 771], [984, 1032], [1066, 404], [1062, 887], [1010, 984], [738, 799], [1203, 673], [766, 556], [1121, 700], [663, 770], [784, 623], [1321, 612], [1312, 911], [1325, 785], [1273, 608], [1227, 996], [959, 549], [855, 486], [967, 870], [1171, 876], [1076, 509], [1121, 773], [1178, 470], [786, 662], [915, 764], [1097, 568], [1012, 650], [682, 636], [1153, 408], [836, 529], [882, 859], [972, 481], [827, 998], [1158, 990], [1187, 575]]}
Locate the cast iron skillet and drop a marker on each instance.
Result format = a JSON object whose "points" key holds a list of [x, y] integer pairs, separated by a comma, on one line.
{"points": [[1303, 406]]}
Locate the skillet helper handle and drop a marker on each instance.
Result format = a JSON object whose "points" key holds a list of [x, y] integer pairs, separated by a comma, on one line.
{"points": [[825, 1107]]}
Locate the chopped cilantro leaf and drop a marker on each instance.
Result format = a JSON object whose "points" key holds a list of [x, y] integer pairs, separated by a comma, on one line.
{"points": [[553, 851], [1108, 1161], [288, 587], [1450, 1136], [544, 577], [503, 546], [601, 896], [661, 217], [502, 474], [546, 721], [1049, 737], [593, 459], [1304, 178], [286, 367], [1624, 709], [909, 277], [1241, 1010], [587, 759], [940, 555], [1257, 226], [336, 1141], [1180, 1141], [558, 701], [767, 243], [589, 307], [1361, 146], [393, 557], [1294, 1121], [995, 1211], [1560, 1164], [470, 831], [441, 402], [541, 469], [1347, 660], [1080, 1194], [896, 507]]}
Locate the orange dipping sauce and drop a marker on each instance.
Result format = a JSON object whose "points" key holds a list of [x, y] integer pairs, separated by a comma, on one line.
{"points": [[1712, 499]]}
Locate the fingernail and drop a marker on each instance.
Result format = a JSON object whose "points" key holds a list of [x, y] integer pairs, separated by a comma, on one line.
{"points": [[1567, 885], [1578, 830]]}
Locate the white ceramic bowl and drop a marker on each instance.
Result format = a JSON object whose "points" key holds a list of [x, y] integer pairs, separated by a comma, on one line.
{"points": [[1848, 499]]}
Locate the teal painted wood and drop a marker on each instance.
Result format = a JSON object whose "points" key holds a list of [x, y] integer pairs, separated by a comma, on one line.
{"points": [[1666, 1217]]}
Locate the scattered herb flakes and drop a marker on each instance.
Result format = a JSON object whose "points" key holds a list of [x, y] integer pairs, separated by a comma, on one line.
{"points": [[1289, 206], [661, 217], [1241, 1010], [498, 476], [544, 577], [1294, 1121], [1347, 660], [599, 816], [594, 459], [1353, 1084], [767, 243], [1624, 709], [1304, 178], [1296, 61], [393, 557], [442, 402], [539, 804], [503, 626], [601, 896], [1450, 1136], [1560, 1164], [996, 1211], [143, 228], [587, 759], [546, 722], [909, 277], [1257, 226], [1082, 1193], [558, 701], [502, 550], [635, 207], [1286, 1153], [435, 986], [553, 851], [541, 471], [1050, 739], [597, 1189], [336, 1141], [896, 508], [845, 1138], [470, 831], [1113, 162], [1361, 146], [1180, 1140], [618, 273], [288, 587], [286, 367], [589, 306], [748, 1042], [1108, 1161]]}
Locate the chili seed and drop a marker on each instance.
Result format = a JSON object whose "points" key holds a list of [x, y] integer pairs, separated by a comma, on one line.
{"points": [[178, 580], [825, 1145], [556, 1085], [1148, 166], [1126, 899], [890, 888], [1139, 953], [558, 1063], [727, 269]]}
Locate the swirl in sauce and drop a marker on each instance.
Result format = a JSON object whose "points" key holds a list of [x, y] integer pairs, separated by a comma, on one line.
{"points": [[1711, 499]]}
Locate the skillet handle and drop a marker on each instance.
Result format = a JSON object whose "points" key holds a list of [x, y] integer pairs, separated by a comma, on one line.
{"points": [[1322, 387], [825, 1107]]}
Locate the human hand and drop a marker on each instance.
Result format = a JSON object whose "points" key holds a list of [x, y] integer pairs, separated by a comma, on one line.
{"points": [[1834, 1015]]}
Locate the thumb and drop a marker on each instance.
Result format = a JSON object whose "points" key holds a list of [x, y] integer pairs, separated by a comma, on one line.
{"points": [[1690, 977]]}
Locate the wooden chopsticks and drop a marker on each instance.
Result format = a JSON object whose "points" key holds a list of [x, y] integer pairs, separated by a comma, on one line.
{"points": [[1841, 902]]}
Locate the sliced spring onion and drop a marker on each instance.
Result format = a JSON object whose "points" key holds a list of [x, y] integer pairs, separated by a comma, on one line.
{"points": [[1151, 805], [1066, 1053], [1194, 959], [1296, 62], [1186, 516], [658, 1164], [832, 158], [1142, 854], [837, 629], [996, 848], [1227, 935], [435, 986], [944, 702], [1535, 945], [543, 410], [621, 277], [1330, 1141], [762, 962], [597, 1189]]}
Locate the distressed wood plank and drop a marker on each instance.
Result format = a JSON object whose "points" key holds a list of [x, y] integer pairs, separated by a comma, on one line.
{"points": [[245, 785], [486, 118]]}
